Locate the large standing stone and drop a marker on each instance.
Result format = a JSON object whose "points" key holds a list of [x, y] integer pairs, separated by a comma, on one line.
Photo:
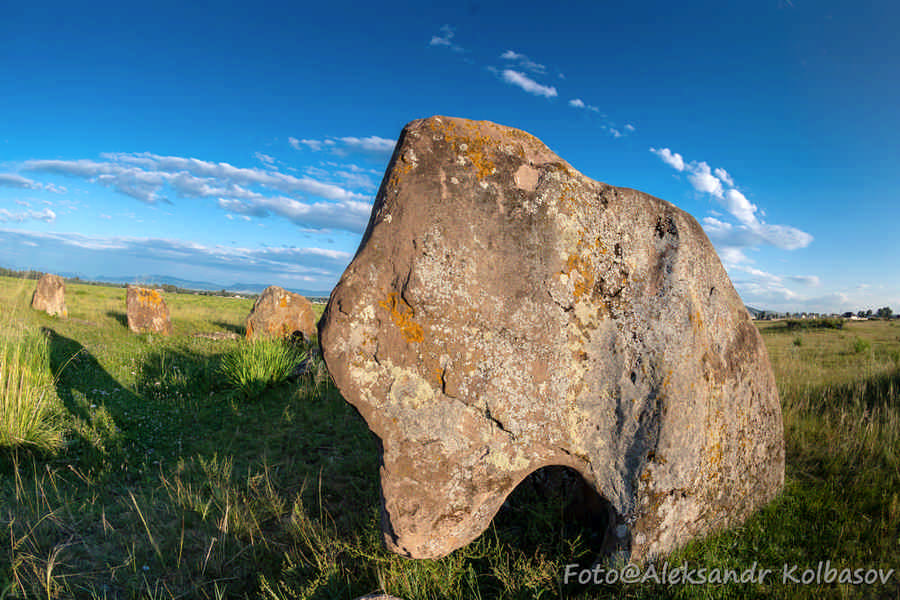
{"points": [[50, 295], [280, 313], [504, 313], [147, 311]]}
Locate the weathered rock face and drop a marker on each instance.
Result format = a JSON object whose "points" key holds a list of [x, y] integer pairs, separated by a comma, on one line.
{"points": [[50, 295], [504, 313], [147, 311], [279, 313]]}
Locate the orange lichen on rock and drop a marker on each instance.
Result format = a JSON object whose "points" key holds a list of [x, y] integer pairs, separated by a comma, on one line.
{"points": [[412, 331], [470, 143]]}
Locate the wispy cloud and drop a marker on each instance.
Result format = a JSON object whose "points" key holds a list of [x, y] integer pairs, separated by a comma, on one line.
{"points": [[149, 177], [14, 180], [809, 280], [372, 145], [673, 159], [349, 215], [445, 39], [46, 215], [749, 231], [524, 62], [315, 265], [264, 158], [579, 103], [527, 84]]}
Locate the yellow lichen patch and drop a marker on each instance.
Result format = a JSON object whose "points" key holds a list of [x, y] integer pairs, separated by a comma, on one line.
{"points": [[402, 315], [466, 139], [283, 302], [406, 163], [149, 297], [585, 282]]}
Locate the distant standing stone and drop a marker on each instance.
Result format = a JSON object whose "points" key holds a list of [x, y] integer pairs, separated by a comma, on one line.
{"points": [[506, 313], [147, 311], [50, 295], [280, 313]]}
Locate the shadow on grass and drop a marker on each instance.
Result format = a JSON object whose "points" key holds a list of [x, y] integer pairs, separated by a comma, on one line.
{"points": [[119, 316], [550, 509], [92, 397], [238, 329]]}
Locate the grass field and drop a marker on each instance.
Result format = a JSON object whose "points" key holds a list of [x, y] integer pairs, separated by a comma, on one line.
{"points": [[171, 484]]}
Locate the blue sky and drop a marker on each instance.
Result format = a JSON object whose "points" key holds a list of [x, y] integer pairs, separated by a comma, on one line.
{"points": [[245, 142]]}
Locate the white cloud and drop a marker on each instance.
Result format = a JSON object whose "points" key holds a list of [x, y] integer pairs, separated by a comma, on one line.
{"points": [[375, 145], [809, 280], [106, 217], [629, 128], [732, 256], [146, 177], [615, 132], [524, 62], [724, 176], [46, 215], [579, 103], [527, 84], [756, 234], [445, 39], [738, 205], [265, 158], [349, 216], [315, 265], [372, 143], [673, 159], [17, 181], [703, 180], [751, 231]]}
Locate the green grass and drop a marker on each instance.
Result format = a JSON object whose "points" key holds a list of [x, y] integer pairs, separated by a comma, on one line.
{"points": [[256, 366], [28, 404], [169, 485]]}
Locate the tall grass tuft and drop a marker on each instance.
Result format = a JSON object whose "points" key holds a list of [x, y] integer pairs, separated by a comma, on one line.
{"points": [[259, 364], [28, 415]]}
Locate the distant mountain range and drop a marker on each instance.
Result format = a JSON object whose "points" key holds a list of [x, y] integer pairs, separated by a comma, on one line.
{"points": [[754, 312], [245, 288]]}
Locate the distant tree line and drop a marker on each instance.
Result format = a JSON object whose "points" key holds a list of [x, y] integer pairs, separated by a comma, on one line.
{"points": [[820, 323], [884, 312], [20, 274]]}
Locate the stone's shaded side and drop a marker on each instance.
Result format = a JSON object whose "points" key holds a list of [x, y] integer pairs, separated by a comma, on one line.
{"points": [[147, 311], [504, 312], [50, 295], [279, 313]]}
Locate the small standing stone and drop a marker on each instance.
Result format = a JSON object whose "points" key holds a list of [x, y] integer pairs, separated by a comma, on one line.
{"points": [[280, 313], [147, 311], [50, 295]]}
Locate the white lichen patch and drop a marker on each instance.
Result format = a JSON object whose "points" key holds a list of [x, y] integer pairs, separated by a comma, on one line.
{"points": [[507, 461], [409, 388], [367, 314]]}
